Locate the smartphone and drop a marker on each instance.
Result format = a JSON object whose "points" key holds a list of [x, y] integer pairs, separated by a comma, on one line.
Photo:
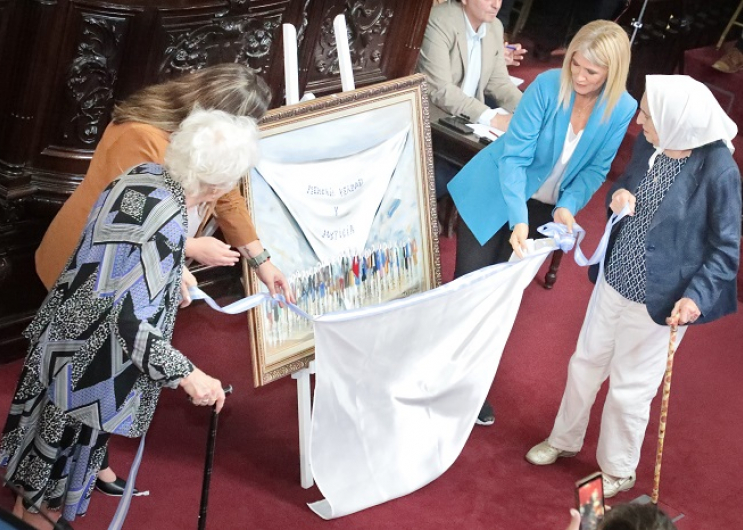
{"points": [[457, 123], [589, 494]]}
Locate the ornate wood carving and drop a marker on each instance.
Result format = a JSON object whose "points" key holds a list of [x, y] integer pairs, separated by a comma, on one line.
{"points": [[277, 374], [302, 26], [367, 22], [90, 80], [11, 211], [243, 39]]}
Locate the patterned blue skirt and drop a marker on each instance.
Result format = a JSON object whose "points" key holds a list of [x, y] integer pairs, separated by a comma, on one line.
{"points": [[53, 458]]}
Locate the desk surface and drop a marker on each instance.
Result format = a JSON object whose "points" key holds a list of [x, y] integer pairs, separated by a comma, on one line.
{"points": [[449, 144]]}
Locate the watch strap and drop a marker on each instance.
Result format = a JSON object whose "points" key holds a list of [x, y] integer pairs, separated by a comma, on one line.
{"points": [[260, 259]]}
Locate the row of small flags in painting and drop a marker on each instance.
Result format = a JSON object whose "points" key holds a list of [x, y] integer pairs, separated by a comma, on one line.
{"points": [[350, 281]]}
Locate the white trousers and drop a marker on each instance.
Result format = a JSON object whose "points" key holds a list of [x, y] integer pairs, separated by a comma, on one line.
{"points": [[620, 341]]}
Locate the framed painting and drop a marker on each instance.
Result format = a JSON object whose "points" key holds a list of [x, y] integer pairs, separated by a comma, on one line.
{"points": [[344, 200]]}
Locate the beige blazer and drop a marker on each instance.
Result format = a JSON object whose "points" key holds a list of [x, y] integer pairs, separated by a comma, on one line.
{"points": [[443, 60]]}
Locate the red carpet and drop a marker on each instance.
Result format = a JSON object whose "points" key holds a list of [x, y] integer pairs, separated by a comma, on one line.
{"points": [[256, 477], [726, 87]]}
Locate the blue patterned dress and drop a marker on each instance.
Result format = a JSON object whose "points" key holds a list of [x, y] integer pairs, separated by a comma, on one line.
{"points": [[100, 344]]}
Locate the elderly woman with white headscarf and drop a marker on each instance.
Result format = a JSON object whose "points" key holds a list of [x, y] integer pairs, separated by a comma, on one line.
{"points": [[674, 259]]}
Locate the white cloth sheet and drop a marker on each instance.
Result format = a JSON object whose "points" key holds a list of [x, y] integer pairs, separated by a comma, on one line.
{"points": [[399, 385]]}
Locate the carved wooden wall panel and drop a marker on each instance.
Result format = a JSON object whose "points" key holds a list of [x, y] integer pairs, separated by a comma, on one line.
{"points": [[368, 29], [247, 37], [65, 63], [88, 78]]}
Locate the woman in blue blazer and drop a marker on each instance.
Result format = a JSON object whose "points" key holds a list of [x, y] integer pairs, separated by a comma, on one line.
{"points": [[556, 153], [672, 261], [586, 97]]}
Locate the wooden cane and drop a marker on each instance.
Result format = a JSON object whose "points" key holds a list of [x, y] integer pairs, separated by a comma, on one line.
{"points": [[209, 463], [664, 406]]}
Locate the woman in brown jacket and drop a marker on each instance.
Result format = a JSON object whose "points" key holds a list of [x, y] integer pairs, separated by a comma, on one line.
{"points": [[139, 132]]}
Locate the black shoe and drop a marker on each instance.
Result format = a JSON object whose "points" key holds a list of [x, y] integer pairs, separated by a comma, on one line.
{"points": [[113, 489], [486, 416], [63, 524]]}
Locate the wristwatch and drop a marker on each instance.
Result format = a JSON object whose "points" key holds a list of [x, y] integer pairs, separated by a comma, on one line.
{"points": [[260, 259]]}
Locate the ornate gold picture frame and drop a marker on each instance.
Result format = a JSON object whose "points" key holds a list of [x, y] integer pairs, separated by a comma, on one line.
{"points": [[344, 200]]}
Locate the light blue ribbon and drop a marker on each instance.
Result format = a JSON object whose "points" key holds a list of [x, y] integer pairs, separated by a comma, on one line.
{"points": [[566, 240], [247, 303], [126, 499]]}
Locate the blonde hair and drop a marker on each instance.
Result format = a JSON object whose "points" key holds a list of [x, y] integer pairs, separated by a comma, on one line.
{"points": [[604, 44], [212, 148], [232, 88]]}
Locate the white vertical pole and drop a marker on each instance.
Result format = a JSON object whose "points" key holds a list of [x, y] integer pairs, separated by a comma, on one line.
{"points": [[291, 75], [344, 53], [304, 412], [304, 395]]}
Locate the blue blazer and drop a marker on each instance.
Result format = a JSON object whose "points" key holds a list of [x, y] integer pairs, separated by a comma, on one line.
{"points": [[692, 248], [493, 187]]}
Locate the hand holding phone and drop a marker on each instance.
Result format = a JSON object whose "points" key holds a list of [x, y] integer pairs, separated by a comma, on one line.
{"points": [[589, 494]]}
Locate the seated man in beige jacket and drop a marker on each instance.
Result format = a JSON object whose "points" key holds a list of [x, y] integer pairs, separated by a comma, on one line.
{"points": [[464, 60]]}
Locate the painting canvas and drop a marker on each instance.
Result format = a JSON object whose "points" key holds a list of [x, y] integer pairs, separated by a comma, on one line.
{"points": [[343, 198]]}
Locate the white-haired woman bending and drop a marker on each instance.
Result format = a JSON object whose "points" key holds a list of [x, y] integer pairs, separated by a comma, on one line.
{"points": [[100, 344], [674, 259]]}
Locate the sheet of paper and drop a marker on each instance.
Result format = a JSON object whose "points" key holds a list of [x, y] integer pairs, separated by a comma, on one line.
{"points": [[487, 131]]}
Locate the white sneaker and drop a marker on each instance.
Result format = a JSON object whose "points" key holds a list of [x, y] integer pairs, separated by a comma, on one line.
{"points": [[613, 485], [544, 454]]}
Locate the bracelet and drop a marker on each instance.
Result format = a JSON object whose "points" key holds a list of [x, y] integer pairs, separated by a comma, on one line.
{"points": [[260, 259]]}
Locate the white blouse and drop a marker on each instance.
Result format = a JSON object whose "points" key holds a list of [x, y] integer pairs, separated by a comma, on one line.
{"points": [[195, 216], [549, 191]]}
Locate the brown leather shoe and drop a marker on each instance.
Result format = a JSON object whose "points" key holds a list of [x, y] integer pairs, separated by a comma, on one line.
{"points": [[731, 62]]}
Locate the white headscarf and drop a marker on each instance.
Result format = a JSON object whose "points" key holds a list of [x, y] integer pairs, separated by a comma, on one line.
{"points": [[685, 114]]}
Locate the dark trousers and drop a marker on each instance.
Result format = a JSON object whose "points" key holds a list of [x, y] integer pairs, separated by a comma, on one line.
{"points": [[443, 172], [472, 256]]}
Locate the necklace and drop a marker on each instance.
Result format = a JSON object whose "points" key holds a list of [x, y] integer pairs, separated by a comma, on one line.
{"points": [[581, 110]]}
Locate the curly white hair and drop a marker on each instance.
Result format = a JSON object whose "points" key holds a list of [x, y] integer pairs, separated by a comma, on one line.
{"points": [[212, 148]]}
